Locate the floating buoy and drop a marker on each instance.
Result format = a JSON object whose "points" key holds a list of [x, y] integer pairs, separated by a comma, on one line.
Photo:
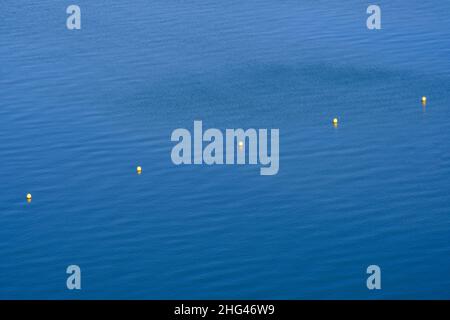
{"points": [[424, 100], [335, 121], [29, 197], [139, 170]]}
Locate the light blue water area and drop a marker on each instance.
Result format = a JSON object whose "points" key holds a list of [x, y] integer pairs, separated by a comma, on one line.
{"points": [[79, 110]]}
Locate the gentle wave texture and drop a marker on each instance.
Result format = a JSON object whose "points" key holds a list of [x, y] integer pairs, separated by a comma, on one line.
{"points": [[79, 110]]}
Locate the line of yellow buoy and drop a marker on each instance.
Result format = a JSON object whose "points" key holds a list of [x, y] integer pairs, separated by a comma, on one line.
{"points": [[240, 144], [335, 121]]}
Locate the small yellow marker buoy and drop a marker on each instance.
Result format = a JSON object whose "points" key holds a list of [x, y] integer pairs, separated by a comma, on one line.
{"points": [[424, 100], [335, 121], [139, 170], [29, 197]]}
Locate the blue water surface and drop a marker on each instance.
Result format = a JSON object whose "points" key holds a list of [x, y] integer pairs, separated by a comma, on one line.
{"points": [[80, 109]]}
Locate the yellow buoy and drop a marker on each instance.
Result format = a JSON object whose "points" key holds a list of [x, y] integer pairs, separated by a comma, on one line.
{"points": [[139, 170], [424, 100], [335, 121], [29, 197]]}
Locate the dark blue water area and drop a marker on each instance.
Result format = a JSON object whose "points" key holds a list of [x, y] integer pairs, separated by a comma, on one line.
{"points": [[80, 109]]}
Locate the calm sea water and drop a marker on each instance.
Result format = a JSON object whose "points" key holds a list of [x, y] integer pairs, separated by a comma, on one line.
{"points": [[79, 110]]}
